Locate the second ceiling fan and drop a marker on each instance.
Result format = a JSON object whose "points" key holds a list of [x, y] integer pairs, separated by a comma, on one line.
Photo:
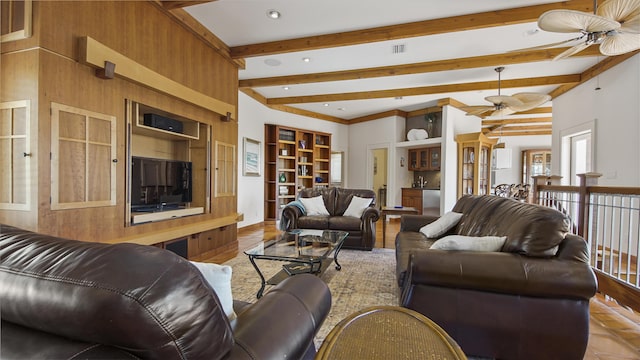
{"points": [[505, 104]]}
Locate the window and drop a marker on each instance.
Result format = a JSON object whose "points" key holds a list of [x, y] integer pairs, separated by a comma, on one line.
{"points": [[225, 159], [83, 150], [15, 21], [337, 165], [580, 156], [15, 162]]}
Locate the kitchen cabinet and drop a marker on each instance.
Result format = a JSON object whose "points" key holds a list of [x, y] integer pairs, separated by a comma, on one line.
{"points": [[422, 199], [424, 159]]}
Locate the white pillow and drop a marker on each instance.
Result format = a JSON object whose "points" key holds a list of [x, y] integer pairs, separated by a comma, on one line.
{"points": [[357, 206], [314, 205], [471, 243], [442, 225], [219, 277]]}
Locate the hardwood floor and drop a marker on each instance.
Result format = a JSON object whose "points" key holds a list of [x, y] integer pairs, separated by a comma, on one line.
{"points": [[614, 331]]}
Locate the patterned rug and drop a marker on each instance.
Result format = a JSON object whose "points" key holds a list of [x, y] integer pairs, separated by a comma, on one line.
{"points": [[367, 279]]}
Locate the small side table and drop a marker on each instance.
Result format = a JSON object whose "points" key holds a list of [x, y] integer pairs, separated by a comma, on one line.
{"points": [[388, 332], [387, 210]]}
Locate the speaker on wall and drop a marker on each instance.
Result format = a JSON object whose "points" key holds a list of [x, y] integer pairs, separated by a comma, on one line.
{"points": [[164, 123]]}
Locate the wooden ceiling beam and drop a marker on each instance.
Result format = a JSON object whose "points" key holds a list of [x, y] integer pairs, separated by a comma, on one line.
{"points": [[292, 110], [175, 4], [414, 29], [417, 68], [426, 90], [517, 121], [522, 133], [594, 71]]}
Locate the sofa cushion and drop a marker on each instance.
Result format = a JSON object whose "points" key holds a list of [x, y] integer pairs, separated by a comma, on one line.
{"points": [[442, 225], [314, 206], [469, 243], [344, 196], [219, 277], [357, 206], [328, 196], [346, 223], [531, 230], [313, 222]]}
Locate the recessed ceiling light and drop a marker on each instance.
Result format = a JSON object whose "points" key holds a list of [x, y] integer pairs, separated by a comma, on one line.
{"points": [[341, 109], [398, 97], [272, 62], [285, 88], [273, 14], [306, 59], [325, 104]]}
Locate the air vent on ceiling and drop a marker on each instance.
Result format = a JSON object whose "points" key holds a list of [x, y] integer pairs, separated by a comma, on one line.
{"points": [[398, 49]]}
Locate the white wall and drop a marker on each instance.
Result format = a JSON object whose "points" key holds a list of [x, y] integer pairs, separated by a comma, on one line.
{"points": [[615, 110], [251, 119], [363, 138]]}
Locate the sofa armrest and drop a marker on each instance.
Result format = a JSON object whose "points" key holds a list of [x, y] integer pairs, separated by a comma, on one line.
{"points": [[415, 222], [283, 323], [370, 214], [289, 218], [502, 273]]}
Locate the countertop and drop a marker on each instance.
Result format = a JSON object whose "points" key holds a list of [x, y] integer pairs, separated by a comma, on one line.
{"points": [[422, 188]]}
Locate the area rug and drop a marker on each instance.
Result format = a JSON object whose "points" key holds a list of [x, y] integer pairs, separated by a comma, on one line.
{"points": [[367, 279]]}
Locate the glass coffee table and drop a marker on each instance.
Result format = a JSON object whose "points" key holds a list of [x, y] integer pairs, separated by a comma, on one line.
{"points": [[303, 251]]}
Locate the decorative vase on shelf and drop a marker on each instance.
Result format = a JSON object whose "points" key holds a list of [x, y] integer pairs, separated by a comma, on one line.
{"points": [[283, 178]]}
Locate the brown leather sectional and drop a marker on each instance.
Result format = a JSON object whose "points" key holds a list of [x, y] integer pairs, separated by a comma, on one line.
{"points": [[67, 299], [362, 231], [528, 301]]}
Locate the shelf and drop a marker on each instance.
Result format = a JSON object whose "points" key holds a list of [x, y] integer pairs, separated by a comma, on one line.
{"points": [[190, 128]]}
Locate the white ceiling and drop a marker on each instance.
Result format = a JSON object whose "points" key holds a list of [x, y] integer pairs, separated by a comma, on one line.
{"points": [[243, 22]]}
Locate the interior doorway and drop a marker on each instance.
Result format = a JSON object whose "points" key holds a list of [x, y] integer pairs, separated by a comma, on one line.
{"points": [[379, 174]]}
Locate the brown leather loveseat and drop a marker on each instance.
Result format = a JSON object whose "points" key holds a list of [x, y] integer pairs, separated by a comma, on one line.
{"points": [[528, 300], [67, 299], [362, 230]]}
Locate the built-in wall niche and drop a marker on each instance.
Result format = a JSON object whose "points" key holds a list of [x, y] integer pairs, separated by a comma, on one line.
{"points": [[430, 121], [168, 168]]}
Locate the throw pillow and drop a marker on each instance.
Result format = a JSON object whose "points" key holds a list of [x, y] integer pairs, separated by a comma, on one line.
{"points": [[357, 206], [442, 225], [219, 278], [314, 205], [470, 243]]}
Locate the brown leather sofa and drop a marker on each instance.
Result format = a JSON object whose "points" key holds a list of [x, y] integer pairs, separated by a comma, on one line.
{"points": [[528, 301], [362, 231], [67, 299]]}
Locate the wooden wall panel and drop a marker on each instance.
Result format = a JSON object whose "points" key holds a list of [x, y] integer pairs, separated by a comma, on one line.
{"points": [[139, 30]]}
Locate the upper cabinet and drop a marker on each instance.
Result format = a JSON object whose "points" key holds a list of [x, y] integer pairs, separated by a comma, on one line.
{"points": [[474, 163], [424, 159]]}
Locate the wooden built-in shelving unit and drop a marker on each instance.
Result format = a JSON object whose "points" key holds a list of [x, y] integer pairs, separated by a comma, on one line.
{"points": [[294, 159]]}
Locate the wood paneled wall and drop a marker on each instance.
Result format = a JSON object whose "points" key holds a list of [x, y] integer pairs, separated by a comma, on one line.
{"points": [[46, 70]]}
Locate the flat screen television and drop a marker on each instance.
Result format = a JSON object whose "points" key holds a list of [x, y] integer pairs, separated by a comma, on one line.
{"points": [[158, 184]]}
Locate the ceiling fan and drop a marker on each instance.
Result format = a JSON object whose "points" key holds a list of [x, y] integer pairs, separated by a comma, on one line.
{"points": [[505, 104], [615, 25]]}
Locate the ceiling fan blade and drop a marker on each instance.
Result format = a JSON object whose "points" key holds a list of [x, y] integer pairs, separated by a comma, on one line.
{"points": [[631, 26], [549, 45], [529, 100], [619, 44], [505, 100], [503, 112], [477, 110], [573, 50], [619, 10], [567, 21]]}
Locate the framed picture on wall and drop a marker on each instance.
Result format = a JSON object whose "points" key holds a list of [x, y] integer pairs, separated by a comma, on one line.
{"points": [[251, 157]]}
